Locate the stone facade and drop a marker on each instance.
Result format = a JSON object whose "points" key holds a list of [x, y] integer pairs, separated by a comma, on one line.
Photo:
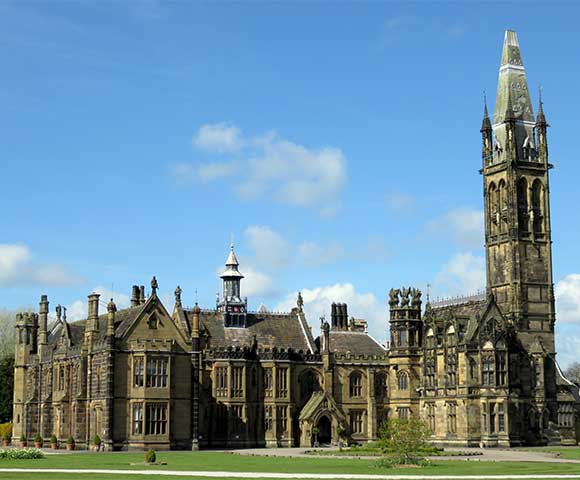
{"points": [[478, 370]]}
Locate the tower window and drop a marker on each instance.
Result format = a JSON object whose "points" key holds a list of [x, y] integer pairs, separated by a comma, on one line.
{"points": [[355, 389], [403, 381]]}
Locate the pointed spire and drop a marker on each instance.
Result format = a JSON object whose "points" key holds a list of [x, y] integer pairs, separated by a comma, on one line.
{"points": [[485, 124], [232, 260], [541, 118], [509, 111], [512, 85], [232, 265]]}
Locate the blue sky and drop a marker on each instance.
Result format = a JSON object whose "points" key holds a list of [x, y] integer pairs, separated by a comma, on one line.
{"points": [[337, 143]]}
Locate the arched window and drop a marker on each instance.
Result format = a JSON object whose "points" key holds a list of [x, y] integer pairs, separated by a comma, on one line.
{"points": [[492, 209], [523, 204], [356, 385], [537, 205], [502, 203], [501, 370], [403, 381], [451, 369]]}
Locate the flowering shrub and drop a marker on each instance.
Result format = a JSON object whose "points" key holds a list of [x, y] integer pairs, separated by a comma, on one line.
{"points": [[20, 454]]}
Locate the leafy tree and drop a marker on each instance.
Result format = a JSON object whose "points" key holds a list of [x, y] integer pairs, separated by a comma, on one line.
{"points": [[7, 346], [7, 390], [572, 373], [7, 333], [404, 441]]}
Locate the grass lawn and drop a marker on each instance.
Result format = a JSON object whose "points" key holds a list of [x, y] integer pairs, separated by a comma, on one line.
{"points": [[571, 453], [215, 461]]}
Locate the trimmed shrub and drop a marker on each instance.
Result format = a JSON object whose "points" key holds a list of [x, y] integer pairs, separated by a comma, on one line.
{"points": [[22, 454], [53, 439], [150, 456], [96, 440], [70, 441], [38, 438], [5, 430]]}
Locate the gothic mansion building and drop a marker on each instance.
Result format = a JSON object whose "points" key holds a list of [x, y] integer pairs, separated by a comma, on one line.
{"points": [[478, 371]]}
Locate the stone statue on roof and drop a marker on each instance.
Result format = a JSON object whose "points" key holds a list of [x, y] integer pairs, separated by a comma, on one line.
{"points": [[405, 297], [178, 295], [394, 297], [416, 302], [154, 285], [300, 301]]}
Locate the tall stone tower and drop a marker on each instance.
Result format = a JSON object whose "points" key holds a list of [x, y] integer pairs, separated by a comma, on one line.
{"points": [[517, 221]]}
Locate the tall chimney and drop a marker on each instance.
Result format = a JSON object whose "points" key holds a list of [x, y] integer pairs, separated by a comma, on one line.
{"points": [[111, 309], [43, 319], [141, 294], [93, 316], [135, 296]]}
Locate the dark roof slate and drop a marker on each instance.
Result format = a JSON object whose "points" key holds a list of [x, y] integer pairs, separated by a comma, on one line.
{"points": [[357, 343], [280, 330]]}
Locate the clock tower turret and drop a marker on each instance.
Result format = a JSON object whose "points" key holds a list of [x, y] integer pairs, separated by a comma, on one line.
{"points": [[232, 305]]}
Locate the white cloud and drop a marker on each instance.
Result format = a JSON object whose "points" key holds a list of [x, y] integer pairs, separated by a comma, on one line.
{"points": [[463, 225], [213, 171], [567, 341], [464, 274], [18, 267], [567, 293], [315, 254], [270, 248], [256, 284], [218, 138], [317, 303], [274, 168], [78, 309]]}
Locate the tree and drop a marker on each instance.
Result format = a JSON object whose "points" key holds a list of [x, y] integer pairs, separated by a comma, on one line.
{"points": [[404, 441], [7, 333], [7, 346], [7, 389], [572, 373]]}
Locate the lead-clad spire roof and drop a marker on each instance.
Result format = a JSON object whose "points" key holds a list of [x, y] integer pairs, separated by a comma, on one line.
{"points": [[232, 265], [512, 86]]}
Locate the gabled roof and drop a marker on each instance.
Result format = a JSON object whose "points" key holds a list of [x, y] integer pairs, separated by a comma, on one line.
{"points": [[280, 330], [357, 343]]}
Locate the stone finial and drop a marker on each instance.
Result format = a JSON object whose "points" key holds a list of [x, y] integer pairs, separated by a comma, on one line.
{"points": [[111, 307], [177, 294], [154, 286], [394, 297], [58, 312], [300, 301]]}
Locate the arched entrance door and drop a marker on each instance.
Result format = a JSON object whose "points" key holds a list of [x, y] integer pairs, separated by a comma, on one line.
{"points": [[324, 430]]}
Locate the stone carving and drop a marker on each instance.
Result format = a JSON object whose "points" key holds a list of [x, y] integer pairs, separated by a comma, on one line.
{"points": [[178, 295], [405, 297], [300, 301], [394, 297], [58, 312], [154, 285], [416, 302]]}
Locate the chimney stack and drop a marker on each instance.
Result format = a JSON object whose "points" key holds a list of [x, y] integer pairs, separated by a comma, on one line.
{"points": [[141, 294], [93, 316], [135, 296], [111, 309], [43, 318]]}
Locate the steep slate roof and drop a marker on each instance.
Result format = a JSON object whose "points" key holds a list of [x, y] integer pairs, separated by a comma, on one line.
{"points": [[357, 343], [280, 330], [77, 328]]}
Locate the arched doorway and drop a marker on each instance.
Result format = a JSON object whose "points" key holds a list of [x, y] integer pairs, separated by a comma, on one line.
{"points": [[324, 430]]}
